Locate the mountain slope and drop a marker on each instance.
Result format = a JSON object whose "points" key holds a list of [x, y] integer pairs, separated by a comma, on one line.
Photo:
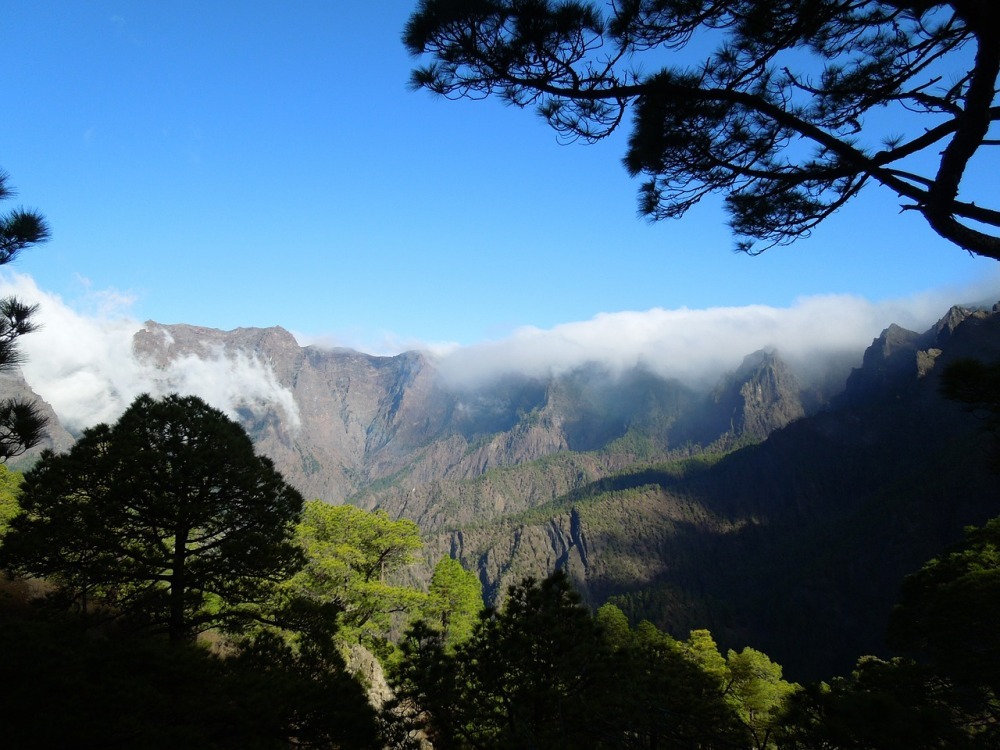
{"points": [[389, 431], [796, 545]]}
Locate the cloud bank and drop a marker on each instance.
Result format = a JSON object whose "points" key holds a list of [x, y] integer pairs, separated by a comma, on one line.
{"points": [[82, 362], [695, 346]]}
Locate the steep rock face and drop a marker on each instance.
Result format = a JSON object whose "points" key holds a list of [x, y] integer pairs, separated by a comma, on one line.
{"points": [[762, 395], [352, 414], [388, 432], [56, 438], [341, 421], [899, 359]]}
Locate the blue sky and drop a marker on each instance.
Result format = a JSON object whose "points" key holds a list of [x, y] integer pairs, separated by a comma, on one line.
{"points": [[231, 164]]}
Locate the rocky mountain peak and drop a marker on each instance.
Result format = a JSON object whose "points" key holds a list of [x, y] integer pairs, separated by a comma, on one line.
{"points": [[955, 316], [762, 395], [161, 344], [898, 358]]}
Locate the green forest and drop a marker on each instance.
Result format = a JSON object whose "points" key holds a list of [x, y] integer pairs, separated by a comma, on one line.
{"points": [[166, 588]]}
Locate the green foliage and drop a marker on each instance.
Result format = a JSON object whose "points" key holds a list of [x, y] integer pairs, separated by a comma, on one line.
{"points": [[748, 682], [950, 607], [529, 676], [168, 517], [350, 556], [542, 672], [633, 484], [614, 626], [757, 694], [668, 698], [454, 600], [889, 705], [10, 489], [774, 117], [306, 688], [701, 648]]}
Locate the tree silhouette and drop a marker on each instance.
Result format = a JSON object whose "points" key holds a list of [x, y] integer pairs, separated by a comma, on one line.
{"points": [[949, 608], [21, 423], [168, 516], [543, 672], [531, 675], [783, 117]]}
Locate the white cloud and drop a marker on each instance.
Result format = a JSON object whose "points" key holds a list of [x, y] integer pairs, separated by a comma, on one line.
{"points": [[84, 366], [697, 345], [83, 363]]}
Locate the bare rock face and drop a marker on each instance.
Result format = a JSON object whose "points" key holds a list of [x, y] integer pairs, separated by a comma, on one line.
{"points": [[389, 432], [56, 438], [362, 663], [340, 421], [761, 396], [899, 358]]}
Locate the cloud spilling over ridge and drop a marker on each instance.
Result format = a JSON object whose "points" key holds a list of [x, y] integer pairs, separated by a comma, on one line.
{"points": [[695, 346], [84, 366], [83, 363]]}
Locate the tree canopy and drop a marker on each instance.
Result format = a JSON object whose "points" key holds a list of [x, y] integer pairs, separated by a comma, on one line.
{"points": [[949, 608], [454, 600], [168, 516], [789, 109], [543, 672], [531, 675], [350, 555], [21, 423], [10, 488]]}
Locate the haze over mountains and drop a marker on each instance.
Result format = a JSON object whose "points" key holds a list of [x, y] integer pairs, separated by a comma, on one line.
{"points": [[778, 496]]}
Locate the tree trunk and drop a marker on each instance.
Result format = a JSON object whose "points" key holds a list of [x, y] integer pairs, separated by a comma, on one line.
{"points": [[176, 627]]}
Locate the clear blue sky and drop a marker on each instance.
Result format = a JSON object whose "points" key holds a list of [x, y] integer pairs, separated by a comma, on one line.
{"points": [[235, 164]]}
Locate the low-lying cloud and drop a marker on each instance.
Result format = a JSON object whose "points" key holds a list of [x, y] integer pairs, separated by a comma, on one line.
{"points": [[84, 366], [695, 346], [83, 363]]}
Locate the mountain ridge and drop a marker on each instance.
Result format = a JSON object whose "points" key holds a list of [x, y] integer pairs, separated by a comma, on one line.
{"points": [[348, 423], [807, 532], [756, 506]]}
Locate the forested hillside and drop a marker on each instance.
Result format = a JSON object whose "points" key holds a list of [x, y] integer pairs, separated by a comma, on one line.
{"points": [[760, 508], [797, 544]]}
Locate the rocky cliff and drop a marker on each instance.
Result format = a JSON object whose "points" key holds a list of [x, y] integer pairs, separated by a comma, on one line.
{"points": [[389, 432], [796, 545], [56, 437]]}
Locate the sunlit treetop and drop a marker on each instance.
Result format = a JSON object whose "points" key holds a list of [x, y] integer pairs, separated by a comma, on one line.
{"points": [[787, 108]]}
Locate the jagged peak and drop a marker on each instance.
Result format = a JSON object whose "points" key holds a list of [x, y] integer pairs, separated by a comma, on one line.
{"points": [[955, 317], [205, 330], [765, 357]]}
